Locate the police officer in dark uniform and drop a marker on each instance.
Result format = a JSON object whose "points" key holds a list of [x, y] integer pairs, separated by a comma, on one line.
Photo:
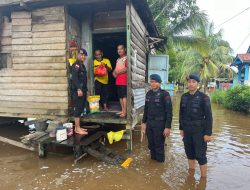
{"points": [[195, 124], [157, 118], [79, 89]]}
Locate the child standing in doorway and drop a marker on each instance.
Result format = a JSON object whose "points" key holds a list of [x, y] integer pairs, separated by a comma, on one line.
{"points": [[120, 74]]}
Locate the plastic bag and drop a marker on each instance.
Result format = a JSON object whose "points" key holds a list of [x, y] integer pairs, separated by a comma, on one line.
{"points": [[101, 71], [72, 61], [94, 103]]}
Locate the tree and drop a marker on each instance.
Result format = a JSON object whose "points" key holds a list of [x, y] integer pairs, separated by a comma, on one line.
{"points": [[173, 19], [193, 46], [208, 57], [170, 12]]}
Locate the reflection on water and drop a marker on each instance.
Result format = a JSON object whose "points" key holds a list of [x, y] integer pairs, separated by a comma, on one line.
{"points": [[228, 163]]}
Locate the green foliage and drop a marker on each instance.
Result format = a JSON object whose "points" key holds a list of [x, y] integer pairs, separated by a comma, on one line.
{"points": [[237, 98], [173, 18], [169, 14], [207, 58], [193, 46], [219, 96], [174, 69]]}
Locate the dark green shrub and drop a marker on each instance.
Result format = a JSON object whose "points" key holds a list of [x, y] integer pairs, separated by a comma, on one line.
{"points": [[218, 96], [238, 99]]}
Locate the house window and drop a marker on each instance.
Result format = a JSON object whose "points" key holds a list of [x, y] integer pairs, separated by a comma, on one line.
{"points": [[5, 42], [5, 61]]}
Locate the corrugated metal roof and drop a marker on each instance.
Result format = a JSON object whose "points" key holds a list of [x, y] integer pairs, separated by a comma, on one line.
{"points": [[141, 7], [244, 57], [240, 59], [248, 51]]}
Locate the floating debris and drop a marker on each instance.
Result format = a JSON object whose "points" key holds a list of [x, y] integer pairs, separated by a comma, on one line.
{"points": [[44, 168]]}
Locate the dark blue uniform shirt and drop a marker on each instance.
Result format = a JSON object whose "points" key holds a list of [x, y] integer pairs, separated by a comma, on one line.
{"points": [[79, 76], [194, 108], [158, 106]]}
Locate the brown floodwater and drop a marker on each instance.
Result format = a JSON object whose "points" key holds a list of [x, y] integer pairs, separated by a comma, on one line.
{"points": [[228, 163]]}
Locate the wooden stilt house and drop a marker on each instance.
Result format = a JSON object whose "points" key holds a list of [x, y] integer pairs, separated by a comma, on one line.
{"points": [[34, 51]]}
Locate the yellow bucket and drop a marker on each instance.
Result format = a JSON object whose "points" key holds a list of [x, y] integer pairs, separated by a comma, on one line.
{"points": [[94, 103]]}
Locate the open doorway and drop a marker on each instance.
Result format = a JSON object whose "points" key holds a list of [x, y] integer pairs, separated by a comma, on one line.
{"points": [[108, 44]]}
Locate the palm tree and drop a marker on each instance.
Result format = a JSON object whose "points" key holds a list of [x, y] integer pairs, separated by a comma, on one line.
{"points": [[174, 19], [186, 27], [209, 56]]}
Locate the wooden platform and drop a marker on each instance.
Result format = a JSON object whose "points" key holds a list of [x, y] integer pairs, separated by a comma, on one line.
{"points": [[103, 117], [83, 140]]}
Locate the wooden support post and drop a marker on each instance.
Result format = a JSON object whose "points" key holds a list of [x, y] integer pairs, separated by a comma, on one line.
{"points": [[87, 41], [42, 150], [129, 70], [1, 28], [129, 139]]}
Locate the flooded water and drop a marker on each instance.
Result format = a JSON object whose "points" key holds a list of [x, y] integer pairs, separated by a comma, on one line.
{"points": [[228, 164]]}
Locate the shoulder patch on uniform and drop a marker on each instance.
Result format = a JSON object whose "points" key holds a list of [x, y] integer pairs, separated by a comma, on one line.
{"points": [[77, 66], [167, 97], [206, 98]]}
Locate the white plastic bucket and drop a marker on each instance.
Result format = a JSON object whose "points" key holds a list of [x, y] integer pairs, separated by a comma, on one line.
{"points": [[68, 125], [61, 134]]}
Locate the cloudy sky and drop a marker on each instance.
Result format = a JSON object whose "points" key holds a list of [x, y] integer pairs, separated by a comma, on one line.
{"points": [[236, 31]]}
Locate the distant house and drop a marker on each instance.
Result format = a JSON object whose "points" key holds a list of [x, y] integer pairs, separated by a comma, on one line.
{"points": [[242, 62]]}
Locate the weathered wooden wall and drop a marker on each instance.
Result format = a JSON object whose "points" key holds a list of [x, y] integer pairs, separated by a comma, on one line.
{"points": [[5, 36], [74, 29], [109, 21], [139, 50], [5, 41], [36, 85]]}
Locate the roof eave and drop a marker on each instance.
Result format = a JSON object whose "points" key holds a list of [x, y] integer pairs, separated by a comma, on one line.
{"points": [[144, 11], [248, 51]]}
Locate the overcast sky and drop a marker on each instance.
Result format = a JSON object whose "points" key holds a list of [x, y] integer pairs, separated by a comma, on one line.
{"points": [[236, 30]]}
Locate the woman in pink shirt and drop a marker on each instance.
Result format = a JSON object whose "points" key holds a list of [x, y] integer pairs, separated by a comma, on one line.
{"points": [[120, 74]]}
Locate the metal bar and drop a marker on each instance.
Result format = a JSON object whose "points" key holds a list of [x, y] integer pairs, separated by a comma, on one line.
{"points": [[79, 158]]}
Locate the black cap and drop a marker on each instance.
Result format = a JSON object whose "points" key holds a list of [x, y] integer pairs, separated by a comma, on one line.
{"points": [[156, 77], [83, 51], [194, 77]]}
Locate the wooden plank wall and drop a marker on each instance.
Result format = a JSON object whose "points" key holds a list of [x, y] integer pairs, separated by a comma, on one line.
{"points": [[5, 41], [109, 20], [74, 29], [5, 36], [139, 49], [36, 85]]}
